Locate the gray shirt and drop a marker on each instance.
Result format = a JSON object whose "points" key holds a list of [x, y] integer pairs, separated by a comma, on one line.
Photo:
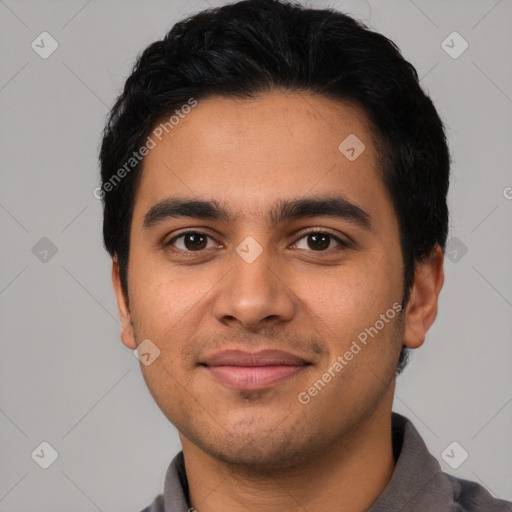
{"points": [[417, 484]]}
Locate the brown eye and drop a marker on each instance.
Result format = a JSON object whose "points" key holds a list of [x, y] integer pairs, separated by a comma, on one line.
{"points": [[190, 241], [320, 241]]}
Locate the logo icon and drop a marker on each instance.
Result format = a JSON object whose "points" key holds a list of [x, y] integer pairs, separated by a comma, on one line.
{"points": [[44, 45], [351, 147], [44, 250], [454, 455], [456, 249], [44, 455], [146, 352], [454, 45], [249, 250]]}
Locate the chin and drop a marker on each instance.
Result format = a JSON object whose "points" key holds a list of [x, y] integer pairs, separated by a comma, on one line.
{"points": [[257, 448], [266, 457]]}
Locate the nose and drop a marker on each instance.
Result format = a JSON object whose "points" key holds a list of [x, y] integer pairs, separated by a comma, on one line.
{"points": [[254, 293]]}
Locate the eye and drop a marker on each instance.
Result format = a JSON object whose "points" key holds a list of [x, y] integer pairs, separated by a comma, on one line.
{"points": [[191, 241], [197, 241], [320, 241]]}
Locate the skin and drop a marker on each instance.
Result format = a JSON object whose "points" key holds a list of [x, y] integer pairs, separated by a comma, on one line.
{"points": [[264, 450]]}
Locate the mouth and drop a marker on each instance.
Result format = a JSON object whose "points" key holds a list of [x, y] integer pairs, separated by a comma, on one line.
{"points": [[252, 371]]}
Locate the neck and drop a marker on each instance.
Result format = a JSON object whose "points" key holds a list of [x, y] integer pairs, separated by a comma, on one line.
{"points": [[348, 476]]}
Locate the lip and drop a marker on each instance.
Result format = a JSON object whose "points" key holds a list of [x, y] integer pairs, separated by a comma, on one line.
{"points": [[260, 358], [253, 370]]}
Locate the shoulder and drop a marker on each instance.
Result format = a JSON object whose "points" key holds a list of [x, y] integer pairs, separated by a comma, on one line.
{"points": [[470, 496], [156, 506]]}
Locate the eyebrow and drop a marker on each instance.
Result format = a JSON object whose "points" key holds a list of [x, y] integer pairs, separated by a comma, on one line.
{"points": [[335, 207]]}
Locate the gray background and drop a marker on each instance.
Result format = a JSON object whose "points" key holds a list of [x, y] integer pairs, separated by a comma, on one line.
{"points": [[65, 376]]}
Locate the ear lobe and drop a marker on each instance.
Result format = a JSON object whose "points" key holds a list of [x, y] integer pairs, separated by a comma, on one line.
{"points": [[421, 310], [127, 334]]}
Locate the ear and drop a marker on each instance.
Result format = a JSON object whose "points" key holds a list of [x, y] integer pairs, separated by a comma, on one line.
{"points": [[127, 334], [421, 310]]}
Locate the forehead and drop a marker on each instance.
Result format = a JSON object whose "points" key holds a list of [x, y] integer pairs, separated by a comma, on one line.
{"points": [[251, 153]]}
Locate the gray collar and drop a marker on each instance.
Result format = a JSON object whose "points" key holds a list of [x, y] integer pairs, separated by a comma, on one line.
{"points": [[418, 482]]}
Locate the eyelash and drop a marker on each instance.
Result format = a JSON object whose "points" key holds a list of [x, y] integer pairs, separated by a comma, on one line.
{"points": [[342, 244]]}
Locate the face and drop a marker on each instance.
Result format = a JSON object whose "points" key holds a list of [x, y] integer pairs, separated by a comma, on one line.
{"points": [[275, 306]]}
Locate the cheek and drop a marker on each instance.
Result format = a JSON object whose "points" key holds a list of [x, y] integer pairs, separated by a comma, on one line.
{"points": [[345, 300], [161, 310], [170, 306], [165, 309], [159, 295]]}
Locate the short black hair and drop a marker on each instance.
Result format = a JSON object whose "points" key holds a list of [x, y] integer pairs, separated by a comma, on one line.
{"points": [[252, 47]]}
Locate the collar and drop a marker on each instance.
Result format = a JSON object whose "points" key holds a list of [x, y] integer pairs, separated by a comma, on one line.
{"points": [[417, 483]]}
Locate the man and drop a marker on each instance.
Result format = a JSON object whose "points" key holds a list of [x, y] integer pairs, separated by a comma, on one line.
{"points": [[274, 184]]}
